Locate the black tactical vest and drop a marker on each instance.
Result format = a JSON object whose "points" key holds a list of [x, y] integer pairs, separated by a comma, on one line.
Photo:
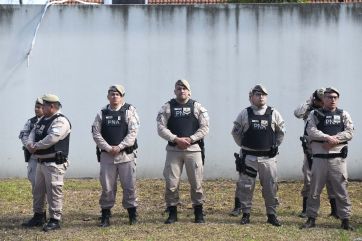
{"points": [[114, 126], [260, 135], [41, 131], [329, 122], [32, 122], [182, 121]]}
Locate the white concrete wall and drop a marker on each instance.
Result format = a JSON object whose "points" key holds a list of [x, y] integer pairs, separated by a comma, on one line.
{"points": [[222, 49]]}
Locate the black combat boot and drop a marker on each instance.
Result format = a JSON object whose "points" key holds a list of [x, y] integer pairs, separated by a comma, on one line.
{"points": [[237, 208], [132, 215], [303, 214], [345, 224], [36, 221], [333, 213], [53, 224], [309, 224], [106, 213], [272, 219], [245, 219], [199, 214], [172, 215]]}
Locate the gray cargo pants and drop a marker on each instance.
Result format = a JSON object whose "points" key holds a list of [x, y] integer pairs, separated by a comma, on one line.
{"points": [[307, 173], [109, 173], [267, 170], [175, 160], [49, 181], [32, 163], [335, 171]]}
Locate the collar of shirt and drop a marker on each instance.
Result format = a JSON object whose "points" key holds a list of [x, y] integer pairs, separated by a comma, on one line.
{"points": [[117, 109], [47, 118]]}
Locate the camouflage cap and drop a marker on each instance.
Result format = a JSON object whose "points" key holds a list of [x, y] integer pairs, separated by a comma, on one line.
{"points": [[50, 98], [39, 101], [331, 90], [260, 88], [319, 93], [118, 88], [184, 83]]}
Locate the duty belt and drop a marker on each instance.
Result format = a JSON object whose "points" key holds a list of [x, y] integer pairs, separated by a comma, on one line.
{"points": [[174, 144], [342, 143], [41, 160], [255, 153], [343, 154], [329, 155]]}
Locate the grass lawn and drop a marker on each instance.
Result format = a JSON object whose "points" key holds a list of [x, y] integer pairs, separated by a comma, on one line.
{"points": [[81, 212]]}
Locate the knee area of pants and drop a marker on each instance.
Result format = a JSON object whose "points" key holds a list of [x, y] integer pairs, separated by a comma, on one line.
{"points": [[129, 192], [108, 192], [172, 189], [172, 182], [245, 185]]}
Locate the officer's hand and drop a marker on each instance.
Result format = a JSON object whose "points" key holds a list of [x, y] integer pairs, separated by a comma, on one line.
{"points": [[188, 139], [31, 148], [332, 140], [115, 150], [182, 142]]}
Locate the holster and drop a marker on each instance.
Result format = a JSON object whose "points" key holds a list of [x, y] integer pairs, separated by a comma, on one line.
{"points": [[309, 160], [98, 154], [130, 149], [60, 158], [241, 167], [238, 163], [27, 154], [304, 144], [201, 144]]}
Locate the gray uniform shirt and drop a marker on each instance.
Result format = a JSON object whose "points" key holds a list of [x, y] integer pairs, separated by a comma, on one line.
{"points": [[201, 115], [315, 134], [241, 125], [25, 132], [302, 111]]}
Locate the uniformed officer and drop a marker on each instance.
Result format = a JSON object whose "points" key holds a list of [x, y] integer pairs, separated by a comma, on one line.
{"points": [[302, 112], [236, 211], [258, 130], [23, 136], [329, 129], [49, 143], [114, 131], [183, 122]]}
